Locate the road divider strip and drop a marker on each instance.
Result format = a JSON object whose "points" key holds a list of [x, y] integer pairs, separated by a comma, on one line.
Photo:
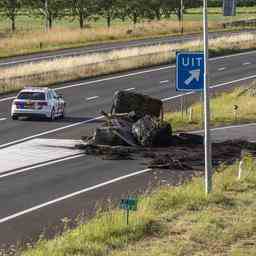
{"points": [[69, 196]]}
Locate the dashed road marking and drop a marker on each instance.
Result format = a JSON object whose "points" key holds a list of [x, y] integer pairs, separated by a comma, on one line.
{"points": [[246, 63], [222, 69], [92, 98], [129, 89], [3, 119], [164, 82]]}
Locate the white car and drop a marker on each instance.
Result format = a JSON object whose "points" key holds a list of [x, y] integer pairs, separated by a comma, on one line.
{"points": [[38, 102]]}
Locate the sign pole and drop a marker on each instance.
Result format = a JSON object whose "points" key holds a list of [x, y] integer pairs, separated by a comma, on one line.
{"points": [[181, 17], [207, 142]]}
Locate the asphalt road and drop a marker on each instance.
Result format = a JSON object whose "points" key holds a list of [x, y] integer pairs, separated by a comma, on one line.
{"points": [[35, 199], [16, 60]]}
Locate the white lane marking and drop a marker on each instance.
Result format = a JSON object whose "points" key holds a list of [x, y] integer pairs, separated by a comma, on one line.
{"points": [[92, 98], [227, 127], [129, 89], [36, 151], [211, 87], [3, 119], [100, 117], [77, 193], [6, 99], [222, 69], [40, 165], [164, 82], [131, 74], [51, 131], [246, 63]]}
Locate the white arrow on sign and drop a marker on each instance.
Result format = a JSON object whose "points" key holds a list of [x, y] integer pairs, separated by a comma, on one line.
{"points": [[194, 75]]}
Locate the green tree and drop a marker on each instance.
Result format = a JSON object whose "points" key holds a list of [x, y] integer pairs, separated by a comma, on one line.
{"points": [[83, 10], [49, 9], [10, 10], [135, 10], [109, 9]]}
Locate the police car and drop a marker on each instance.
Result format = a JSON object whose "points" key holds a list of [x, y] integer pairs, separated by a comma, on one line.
{"points": [[38, 102]]}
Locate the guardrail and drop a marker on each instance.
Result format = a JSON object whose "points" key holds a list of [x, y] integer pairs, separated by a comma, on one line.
{"points": [[240, 23]]}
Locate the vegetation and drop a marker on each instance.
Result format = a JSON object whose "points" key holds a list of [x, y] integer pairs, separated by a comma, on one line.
{"points": [[222, 111], [71, 68], [28, 26], [172, 221], [52, 10]]}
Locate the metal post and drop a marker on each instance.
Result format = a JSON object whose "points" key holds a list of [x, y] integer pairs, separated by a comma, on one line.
{"points": [[46, 15], [181, 17], [207, 143]]}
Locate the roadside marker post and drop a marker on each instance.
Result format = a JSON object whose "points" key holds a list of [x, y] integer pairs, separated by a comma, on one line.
{"points": [[129, 204]]}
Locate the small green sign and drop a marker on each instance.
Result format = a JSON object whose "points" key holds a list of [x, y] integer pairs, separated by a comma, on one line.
{"points": [[130, 204]]}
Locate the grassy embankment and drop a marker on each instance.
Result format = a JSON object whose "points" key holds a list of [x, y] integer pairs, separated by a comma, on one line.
{"points": [[172, 221], [177, 220], [71, 68], [30, 37], [222, 111]]}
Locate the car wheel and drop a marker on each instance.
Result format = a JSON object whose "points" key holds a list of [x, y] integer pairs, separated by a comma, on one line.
{"points": [[53, 115], [14, 117]]}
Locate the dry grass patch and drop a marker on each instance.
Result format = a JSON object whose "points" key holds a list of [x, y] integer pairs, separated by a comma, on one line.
{"points": [[70, 68], [35, 41]]}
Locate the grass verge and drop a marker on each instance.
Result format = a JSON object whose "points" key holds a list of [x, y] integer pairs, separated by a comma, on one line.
{"points": [[60, 38], [172, 221], [222, 110], [72, 68]]}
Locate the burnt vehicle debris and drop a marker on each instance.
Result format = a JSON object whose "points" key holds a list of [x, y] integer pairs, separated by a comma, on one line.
{"points": [[135, 128]]}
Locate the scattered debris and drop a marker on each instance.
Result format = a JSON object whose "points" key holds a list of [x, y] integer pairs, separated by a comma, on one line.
{"points": [[134, 128]]}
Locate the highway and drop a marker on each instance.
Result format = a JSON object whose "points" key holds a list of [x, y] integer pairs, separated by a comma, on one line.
{"points": [[34, 197], [105, 47]]}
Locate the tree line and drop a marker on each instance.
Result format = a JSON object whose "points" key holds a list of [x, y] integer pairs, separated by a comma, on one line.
{"points": [[84, 11]]}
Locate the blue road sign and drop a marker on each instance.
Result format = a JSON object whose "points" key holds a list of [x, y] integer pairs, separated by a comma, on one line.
{"points": [[229, 7], [189, 71]]}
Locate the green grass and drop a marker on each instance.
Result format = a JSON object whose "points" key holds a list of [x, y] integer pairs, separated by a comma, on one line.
{"points": [[172, 221], [222, 111]]}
